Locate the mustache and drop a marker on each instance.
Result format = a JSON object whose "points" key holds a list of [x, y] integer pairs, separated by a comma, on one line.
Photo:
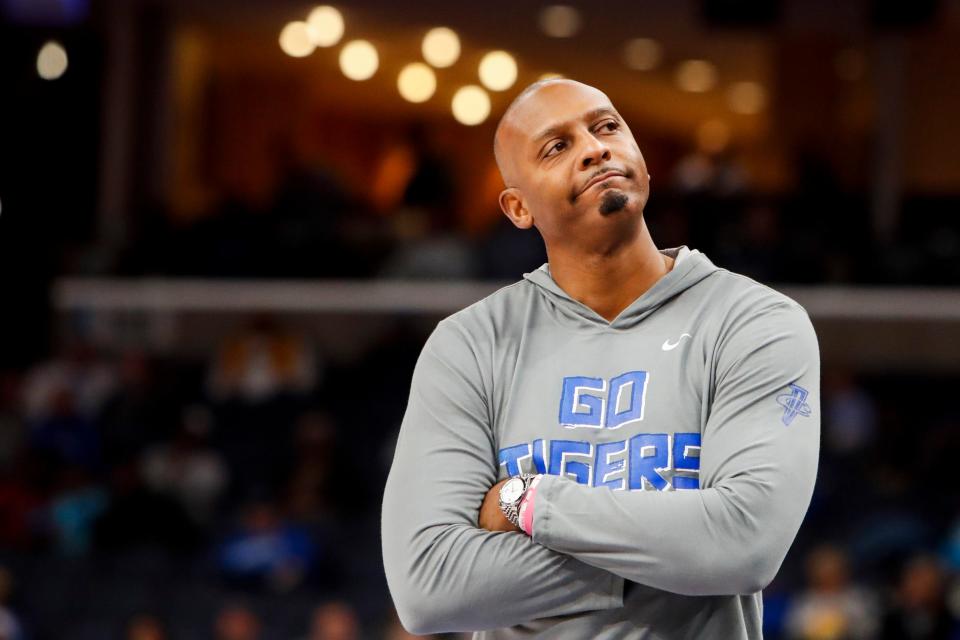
{"points": [[575, 192]]}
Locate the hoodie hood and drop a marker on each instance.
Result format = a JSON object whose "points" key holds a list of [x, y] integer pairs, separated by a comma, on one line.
{"points": [[690, 267]]}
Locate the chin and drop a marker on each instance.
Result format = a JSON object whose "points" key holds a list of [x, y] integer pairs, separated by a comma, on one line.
{"points": [[615, 201]]}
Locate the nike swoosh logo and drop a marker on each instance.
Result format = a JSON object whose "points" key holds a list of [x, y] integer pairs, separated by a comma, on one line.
{"points": [[667, 346]]}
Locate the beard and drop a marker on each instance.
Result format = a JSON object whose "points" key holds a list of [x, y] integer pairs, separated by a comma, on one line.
{"points": [[613, 200]]}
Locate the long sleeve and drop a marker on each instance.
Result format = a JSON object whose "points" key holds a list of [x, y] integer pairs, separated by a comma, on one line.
{"points": [[758, 462], [444, 573]]}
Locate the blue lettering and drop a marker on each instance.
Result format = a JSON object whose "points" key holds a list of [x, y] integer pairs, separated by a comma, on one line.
{"points": [[559, 450], [580, 409], [538, 456], [686, 457], [634, 382], [618, 465], [648, 453], [511, 457], [603, 467]]}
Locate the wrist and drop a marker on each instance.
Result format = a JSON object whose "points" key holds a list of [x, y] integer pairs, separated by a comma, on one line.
{"points": [[511, 495]]}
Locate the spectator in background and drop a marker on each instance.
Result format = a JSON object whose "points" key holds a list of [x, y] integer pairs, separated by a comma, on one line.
{"points": [[261, 363], [23, 478], [951, 546], [308, 491], [919, 611], [428, 244], [259, 381], [64, 434], [236, 622], [137, 411], [754, 246], [831, 608], [22, 502], [73, 512], [938, 452], [505, 252], [187, 468], [427, 249], [850, 415], [140, 518], [719, 173], [268, 551], [312, 209], [334, 621], [80, 371]]}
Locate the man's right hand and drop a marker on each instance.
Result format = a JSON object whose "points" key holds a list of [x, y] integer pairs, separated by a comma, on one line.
{"points": [[491, 516]]}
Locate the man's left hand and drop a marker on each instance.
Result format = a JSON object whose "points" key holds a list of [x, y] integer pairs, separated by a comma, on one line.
{"points": [[491, 517]]}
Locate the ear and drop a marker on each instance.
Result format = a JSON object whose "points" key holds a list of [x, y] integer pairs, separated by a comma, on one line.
{"points": [[511, 202]]}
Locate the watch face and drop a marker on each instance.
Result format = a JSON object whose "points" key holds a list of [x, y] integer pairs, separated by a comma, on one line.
{"points": [[511, 490]]}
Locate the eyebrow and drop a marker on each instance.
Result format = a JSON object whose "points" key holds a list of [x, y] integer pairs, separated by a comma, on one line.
{"points": [[555, 129]]}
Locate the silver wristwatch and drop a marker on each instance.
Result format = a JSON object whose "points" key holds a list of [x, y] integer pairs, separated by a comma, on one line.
{"points": [[511, 494]]}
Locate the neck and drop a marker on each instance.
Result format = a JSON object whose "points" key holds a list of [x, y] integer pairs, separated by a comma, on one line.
{"points": [[609, 281]]}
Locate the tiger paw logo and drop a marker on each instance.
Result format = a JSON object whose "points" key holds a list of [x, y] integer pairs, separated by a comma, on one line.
{"points": [[794, 404]]}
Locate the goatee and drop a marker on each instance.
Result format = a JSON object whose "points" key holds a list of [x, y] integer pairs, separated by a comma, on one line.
{"points": [[613, 201]]}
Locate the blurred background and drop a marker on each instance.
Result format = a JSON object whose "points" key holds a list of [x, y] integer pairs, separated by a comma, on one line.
{"points": [[222, 223]]}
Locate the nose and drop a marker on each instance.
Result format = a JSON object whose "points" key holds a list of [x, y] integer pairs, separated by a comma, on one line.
{"points": [[594, 153]]}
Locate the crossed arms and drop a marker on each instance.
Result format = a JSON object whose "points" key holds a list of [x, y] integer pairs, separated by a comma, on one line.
{"points": [[447, 574]]}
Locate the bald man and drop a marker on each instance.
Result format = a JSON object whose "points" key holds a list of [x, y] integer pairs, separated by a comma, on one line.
{"points": [[621, 445]]}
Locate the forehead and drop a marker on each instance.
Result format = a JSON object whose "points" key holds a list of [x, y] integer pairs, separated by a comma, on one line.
{"points": [[555, 105]]}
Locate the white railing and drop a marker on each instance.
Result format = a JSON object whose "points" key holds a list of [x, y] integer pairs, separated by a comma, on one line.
{"points": [[385, 297], [867, 328]]}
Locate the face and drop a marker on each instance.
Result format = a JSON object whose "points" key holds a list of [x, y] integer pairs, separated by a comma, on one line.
{"points": [[571, 166]]}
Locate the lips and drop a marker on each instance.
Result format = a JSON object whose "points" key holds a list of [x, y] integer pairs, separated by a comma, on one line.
{"points": [[601, 178]]}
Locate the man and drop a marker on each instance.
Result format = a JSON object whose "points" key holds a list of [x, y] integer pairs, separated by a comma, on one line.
{"points": [[657, 417]]}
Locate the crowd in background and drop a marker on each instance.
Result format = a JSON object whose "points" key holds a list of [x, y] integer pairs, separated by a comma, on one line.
{"points": [[139, 496], [235, 495], [145, 496], [819, 232], [149, 497], [238, 498]]}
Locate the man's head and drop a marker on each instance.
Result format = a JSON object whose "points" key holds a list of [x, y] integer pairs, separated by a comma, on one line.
{"points": [[570, 164]]}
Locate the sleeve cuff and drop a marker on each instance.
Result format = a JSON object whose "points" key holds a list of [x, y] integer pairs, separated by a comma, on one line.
{"points": [[526, 511], [541, 532]]}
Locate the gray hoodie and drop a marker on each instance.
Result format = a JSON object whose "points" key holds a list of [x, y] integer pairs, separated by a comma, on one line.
{"points": [[679, 443]]}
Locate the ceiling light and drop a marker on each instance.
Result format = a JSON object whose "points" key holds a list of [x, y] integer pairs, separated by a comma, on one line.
{"points": [[559, 21], [642, 54], [441, 47], [746, 98], [498, 71], [296, 39], [696, 76], [52, 60], [417, 82], [326, 25], [359, 60], [471, 105]]}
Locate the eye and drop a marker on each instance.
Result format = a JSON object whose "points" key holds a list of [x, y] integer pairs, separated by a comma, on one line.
{"points": [[558, 147], [610, 126]]}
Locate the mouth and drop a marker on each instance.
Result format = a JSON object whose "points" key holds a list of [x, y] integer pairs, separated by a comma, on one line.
{"points": [[600, 178]]}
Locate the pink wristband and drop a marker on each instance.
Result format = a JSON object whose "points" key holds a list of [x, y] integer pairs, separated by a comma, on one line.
{"points": [[526, 506]]}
